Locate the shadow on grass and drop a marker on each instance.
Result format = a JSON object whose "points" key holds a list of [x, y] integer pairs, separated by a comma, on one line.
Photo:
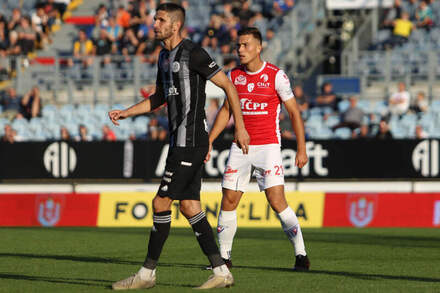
{"points": [[364, 276], [58, 280], [94, 259]]}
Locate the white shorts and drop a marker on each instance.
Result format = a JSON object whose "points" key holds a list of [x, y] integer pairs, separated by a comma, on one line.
{"points": [[267, 161]]}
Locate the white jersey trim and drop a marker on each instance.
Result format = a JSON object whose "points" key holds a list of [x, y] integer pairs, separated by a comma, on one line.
{"points": [[282, 86], [258, 71]]}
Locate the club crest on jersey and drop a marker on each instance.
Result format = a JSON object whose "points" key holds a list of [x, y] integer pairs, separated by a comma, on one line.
{"points": [[240, 80], [176, 66], [172, 91], [361, 209], [251, 87]]}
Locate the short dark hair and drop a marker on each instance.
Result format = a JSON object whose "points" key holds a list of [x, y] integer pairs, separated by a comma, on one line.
{"points": [[177, 11], [251, 31]]}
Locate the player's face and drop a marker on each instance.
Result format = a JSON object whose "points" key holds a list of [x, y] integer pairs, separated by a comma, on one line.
{"points": [[248, 48], [163, 26]]}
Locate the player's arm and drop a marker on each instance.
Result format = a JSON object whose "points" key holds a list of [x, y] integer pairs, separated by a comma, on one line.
{"points": [[203, 64], [241, 136], [284, 91], [221, 121], [298, 127]]}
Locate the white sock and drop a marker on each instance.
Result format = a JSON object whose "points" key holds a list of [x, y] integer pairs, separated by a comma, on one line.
{"points": [[291, 227], [226, 228], [221, 270], [145, 273]]}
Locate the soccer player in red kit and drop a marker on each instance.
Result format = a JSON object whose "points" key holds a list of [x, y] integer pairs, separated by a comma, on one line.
{"points": [[262, 88]]}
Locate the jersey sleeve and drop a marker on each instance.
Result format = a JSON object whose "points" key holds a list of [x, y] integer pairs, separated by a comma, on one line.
{"points": [[202, 63], [282, 86]]}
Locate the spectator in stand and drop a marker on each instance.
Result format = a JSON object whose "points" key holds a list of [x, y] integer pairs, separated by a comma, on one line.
{"points": [[14, 23], [149, 49], [398, 103], [411, 7], [103, 46], [212, 32], [61, 6], [4, 64], [123, 17], [64, 134], [10, 135], [83, 134], [327, 98], [286, 126], [244, 14], [229, 63], [282, 7], [11, 105], [424, 15], [31, 103], [420, 105], [402, 30], [301, 99], [102, 16], [50, 8], [83, 50], [114, 33], [420, 133], [364, 132], [384, 131], [393, 13], [26, 36], [40, 23], [129, 44], [352, 118], [108, 134]]}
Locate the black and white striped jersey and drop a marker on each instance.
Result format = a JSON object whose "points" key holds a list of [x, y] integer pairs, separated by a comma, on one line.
{"points": [[181, 81]]}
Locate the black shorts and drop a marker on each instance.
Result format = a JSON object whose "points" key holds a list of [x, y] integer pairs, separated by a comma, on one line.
{"points": [[183, 173]]}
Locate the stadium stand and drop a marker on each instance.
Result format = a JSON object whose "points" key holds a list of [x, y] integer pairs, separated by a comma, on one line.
{"points": [[80, 87]]}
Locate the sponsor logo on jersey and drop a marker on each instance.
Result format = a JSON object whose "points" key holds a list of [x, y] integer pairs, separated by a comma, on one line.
{"points": [[176, 66], [240, 80], [229, 170], [249, 107], [264, 77], [361, 209], [220, 228], [212, 64], [264, 82], [250, 87]]}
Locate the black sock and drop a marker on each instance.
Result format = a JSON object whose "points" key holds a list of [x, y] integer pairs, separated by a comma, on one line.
{"points": [[158, 236], [206, 240]]}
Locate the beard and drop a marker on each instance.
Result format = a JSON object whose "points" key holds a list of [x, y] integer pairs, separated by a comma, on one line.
{"points": [[164, 34]]}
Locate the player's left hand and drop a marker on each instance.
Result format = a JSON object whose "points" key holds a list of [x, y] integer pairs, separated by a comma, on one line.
{"points": [[208, 155], [301, 159]]}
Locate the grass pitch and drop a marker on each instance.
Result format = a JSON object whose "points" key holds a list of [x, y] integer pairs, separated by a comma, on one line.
{"points": [[343, 260]]}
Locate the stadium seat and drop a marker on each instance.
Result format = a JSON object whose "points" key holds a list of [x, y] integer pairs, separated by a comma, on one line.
{"points": [[343, 106], [343, 133]]}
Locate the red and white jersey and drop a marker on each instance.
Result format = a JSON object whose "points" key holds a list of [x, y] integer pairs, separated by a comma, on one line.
{"points": [[260, 95]]}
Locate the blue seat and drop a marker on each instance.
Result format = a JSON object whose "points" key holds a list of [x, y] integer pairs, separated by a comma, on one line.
{"points": [[343, 133], [343, 106]]}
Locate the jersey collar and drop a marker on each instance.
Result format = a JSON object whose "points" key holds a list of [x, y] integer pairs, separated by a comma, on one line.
{"points": [[258, 71]]}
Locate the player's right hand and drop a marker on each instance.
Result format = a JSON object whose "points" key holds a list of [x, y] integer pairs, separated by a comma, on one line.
{"points": [[116, 115], [243, 139], [208, 155]]}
